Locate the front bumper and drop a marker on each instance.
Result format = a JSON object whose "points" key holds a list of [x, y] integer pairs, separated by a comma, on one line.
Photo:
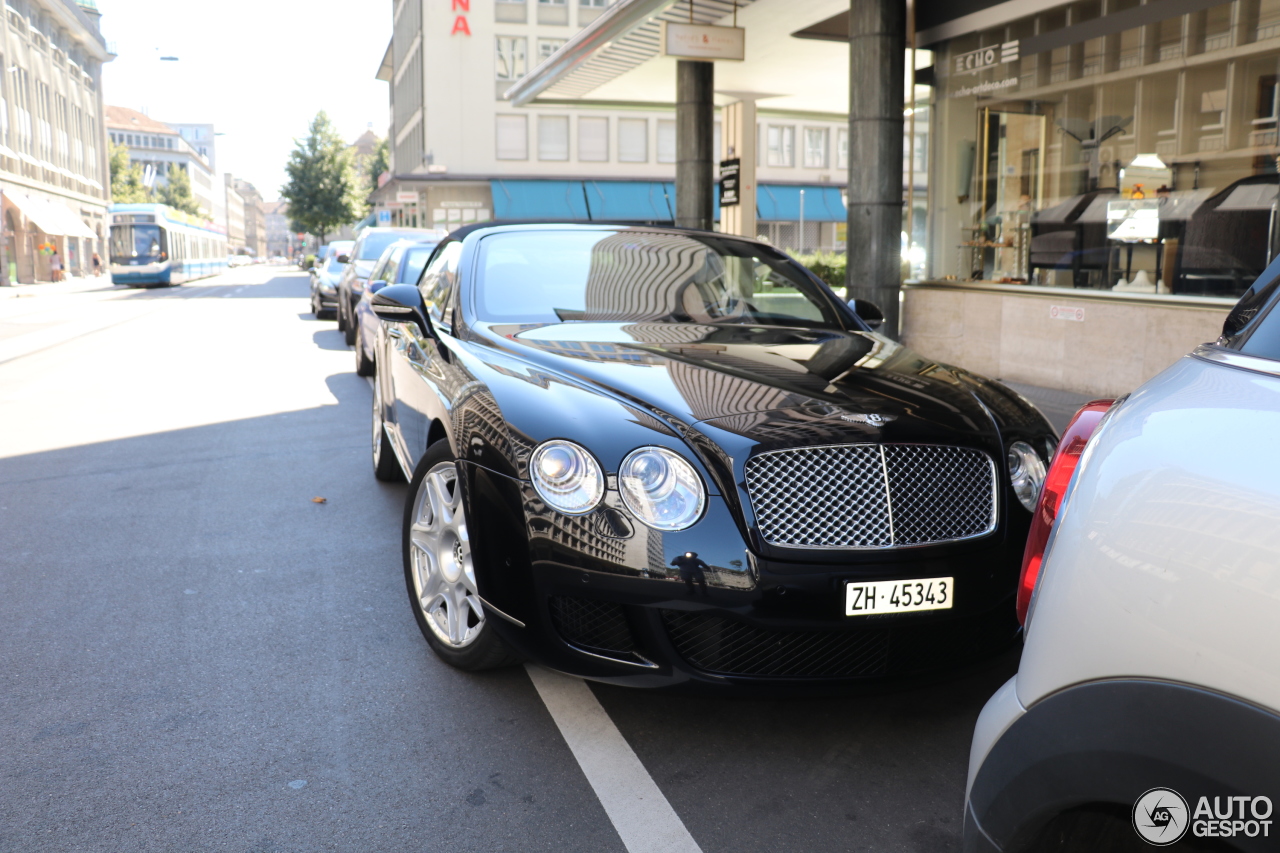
{"points": [[597, 596]]}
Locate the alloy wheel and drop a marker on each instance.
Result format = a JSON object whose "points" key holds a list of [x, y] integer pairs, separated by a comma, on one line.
{"points": [[444, 580]]}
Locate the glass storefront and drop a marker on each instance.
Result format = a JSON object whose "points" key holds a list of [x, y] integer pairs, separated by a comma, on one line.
{"points": [[1110, 144]]}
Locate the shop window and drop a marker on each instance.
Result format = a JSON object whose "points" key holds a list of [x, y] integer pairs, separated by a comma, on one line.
{"points": [[633, 140], [781, 142], [815, 147], [593, 139], [666, 141], [553, 137], [512, 137], [1140, 159]]}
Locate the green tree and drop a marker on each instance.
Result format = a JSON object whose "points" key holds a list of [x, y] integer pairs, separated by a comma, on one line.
{"points": [[177, 192], [323, 190], [126, 178]]}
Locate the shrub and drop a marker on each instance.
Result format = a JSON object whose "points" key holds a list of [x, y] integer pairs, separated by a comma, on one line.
{"points": [[828, 266], [309, 262]]}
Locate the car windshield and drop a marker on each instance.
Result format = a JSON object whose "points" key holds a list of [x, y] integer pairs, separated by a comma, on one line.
{"points": [[412, 269], [643, 276], [373, 244]]}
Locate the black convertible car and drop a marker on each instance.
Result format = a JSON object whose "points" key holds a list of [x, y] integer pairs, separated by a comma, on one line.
{"points": [[660, 457]]}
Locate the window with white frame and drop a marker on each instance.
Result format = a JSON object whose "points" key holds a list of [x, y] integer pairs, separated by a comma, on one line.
{"points": [[550, 2], [815, 147], [510, 57], [666, 140], [546, 47], [633, 140], [593, 139], [512, 137], [553, 137], [842, 148], [781, 145]]}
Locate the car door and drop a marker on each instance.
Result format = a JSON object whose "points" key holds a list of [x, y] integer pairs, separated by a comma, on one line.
{"points": [[416, 369]]}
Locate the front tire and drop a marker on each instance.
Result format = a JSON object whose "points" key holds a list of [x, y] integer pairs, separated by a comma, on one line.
{"points": [[364, 364], [349, 327], [439, 571], [385, 466]]}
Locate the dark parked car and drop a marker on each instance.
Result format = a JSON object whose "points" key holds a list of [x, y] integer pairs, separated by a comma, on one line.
{"points": [[325, 274], [659, 457], [369, 246], [401, 263]]}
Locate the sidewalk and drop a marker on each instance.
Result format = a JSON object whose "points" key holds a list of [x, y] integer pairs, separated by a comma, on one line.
{"points": [[71, 284]]}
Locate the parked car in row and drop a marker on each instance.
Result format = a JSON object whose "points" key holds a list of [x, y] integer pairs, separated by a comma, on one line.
{"points": [[330, 263], [401, 263], [1146, 709], [369, 246], [663, 457]]}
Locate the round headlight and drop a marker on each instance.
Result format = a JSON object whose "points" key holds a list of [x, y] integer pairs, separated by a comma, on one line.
{"points": [[661, 489], [567, 477], [1026, 473]]}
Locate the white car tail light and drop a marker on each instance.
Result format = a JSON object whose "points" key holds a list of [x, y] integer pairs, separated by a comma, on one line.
{"points": [[1064, 463]]}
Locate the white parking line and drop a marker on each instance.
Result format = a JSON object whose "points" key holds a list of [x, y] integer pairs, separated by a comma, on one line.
{"points": [[640, 813]]}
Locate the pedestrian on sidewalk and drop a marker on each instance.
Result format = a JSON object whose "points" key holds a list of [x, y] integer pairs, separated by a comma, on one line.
{"points": [[55, 266], [97, 264]]}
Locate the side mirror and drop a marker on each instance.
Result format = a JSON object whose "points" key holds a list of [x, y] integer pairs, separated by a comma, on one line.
{"points": [[869, 312], [400, 303], [344, 259], [375, 286]]}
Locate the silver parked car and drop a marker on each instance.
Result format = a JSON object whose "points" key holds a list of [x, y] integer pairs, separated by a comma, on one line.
{"points": [[1146, 710]]}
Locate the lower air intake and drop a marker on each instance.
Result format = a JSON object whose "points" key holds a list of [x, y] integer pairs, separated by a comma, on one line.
{"points": [[597, 626], [723, 646]]}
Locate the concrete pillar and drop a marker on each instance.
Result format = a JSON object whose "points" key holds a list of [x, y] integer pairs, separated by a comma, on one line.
{"points": [[877, 42], [738, 139], [695, 130]]}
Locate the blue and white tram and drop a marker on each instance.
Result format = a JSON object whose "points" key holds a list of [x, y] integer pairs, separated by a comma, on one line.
{"points": [[152, 244]]}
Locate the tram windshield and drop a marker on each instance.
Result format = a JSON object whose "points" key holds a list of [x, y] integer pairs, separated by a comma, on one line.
{"points": [[138, 244]]}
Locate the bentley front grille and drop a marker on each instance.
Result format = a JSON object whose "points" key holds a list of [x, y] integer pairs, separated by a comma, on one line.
{"points": [[871, 495]]}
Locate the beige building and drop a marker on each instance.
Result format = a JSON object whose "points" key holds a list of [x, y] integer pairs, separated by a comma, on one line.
{"points": [[156, 146], [255, 217], [235, 216], [53, 160]]}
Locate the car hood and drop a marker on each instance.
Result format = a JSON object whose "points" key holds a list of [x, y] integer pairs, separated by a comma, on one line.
{"points": [[770, 385]]}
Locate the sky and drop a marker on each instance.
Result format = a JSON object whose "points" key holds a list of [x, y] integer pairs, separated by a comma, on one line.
{"points": [[258, 70]]}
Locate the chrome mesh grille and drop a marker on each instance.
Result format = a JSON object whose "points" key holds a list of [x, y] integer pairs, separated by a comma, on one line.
{"points": [[871, 495]]}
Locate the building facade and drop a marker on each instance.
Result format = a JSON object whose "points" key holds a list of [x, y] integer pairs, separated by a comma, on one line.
{"points": [[157, 146], [255, 217], [461, 152], [281, 241], [53, 153], [235, 216]]}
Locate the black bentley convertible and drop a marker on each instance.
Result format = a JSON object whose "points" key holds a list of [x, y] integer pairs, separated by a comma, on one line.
{"points": [[659, 457]]}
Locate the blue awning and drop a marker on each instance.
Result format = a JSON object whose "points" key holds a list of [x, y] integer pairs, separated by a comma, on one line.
{"points": [[631, 201], [515, 199], [776, 203]]}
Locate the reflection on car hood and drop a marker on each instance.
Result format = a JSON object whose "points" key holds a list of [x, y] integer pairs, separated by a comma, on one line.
{"points": [[729, 375]]}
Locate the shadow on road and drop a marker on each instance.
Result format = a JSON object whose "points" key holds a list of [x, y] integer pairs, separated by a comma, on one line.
{"points": [[330, 339]]}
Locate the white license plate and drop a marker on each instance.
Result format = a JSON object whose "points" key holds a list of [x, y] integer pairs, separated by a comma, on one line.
{"points": [[866, 599]]}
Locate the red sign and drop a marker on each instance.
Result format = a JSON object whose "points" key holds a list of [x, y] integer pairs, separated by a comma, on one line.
{"points": [[460, 24]]}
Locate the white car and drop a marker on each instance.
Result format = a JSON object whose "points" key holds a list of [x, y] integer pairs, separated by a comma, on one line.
{"points": [[1146, 709]]}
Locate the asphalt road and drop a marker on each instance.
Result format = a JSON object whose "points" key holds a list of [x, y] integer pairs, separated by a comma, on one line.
{"points": [[196, 656]]}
